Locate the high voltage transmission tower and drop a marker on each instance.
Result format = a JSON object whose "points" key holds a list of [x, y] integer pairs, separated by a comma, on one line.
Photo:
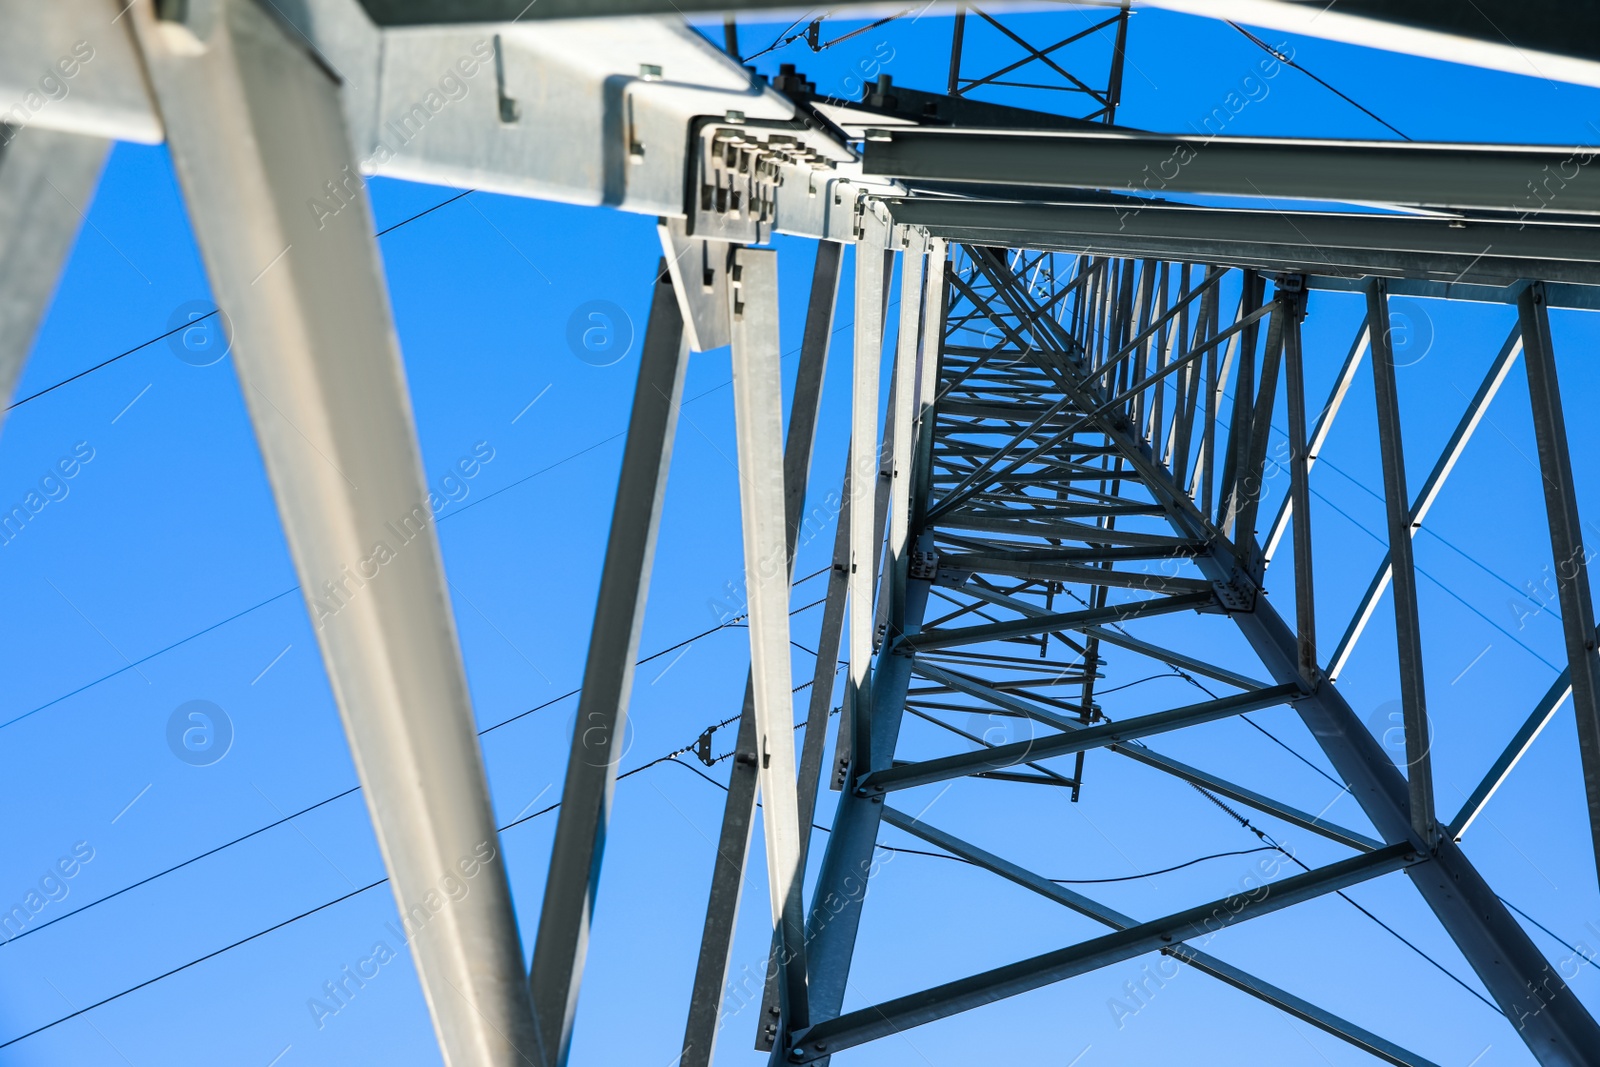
{"points": [[1088, 390]]}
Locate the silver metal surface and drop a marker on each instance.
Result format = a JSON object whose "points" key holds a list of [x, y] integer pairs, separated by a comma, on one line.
{"points": [[758, 411], [1566, 542], [46, 181], [1407, 616], [253, 119], [600, 728], [738, 817], [1443, 176]]}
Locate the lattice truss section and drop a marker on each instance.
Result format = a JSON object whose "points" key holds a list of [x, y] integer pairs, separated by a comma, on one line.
{"points": [[1089, 494]]}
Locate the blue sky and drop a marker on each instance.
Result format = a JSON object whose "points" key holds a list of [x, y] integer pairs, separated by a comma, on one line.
{"points": [[169, 531]]}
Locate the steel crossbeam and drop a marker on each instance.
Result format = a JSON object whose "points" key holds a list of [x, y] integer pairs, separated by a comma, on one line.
{"points": [[893, 1016], [253, 119], [1194, 957], [600, 726]]}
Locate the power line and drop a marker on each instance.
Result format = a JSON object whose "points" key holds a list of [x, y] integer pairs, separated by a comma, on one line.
{"points": [[108, 362], [192, 963], [449, 515], [207, 315], [428, 211], [180, 866], [1275, 54], [1264, 836], [151, 656], [354, 789], [669, 758]]}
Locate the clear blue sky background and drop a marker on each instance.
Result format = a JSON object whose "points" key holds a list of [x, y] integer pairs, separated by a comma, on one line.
{"points": [[170, 530]]}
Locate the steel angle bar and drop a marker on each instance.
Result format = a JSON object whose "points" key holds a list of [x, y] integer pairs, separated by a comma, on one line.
{"points": [[1102, 735], [854, 736], [1459, 275], [1319, 435], [46, 181], [1289, 814], [1429, 493], [897, 466], [1172, 500], [1252, 477], [906, 381], [928, 358], [1213, 276], [699, 270], [1549, 1018], [819, 321], [1566, 541], [252, 118], [758, 410], [1315, 236], [738, 817], [834, 915], [449, 12], [1408, 623], [973, 687], [1201, 961], [1045, 775], [1012, 566], [576, 855], [1173, 659], [1071, 620], [1447, 176], [1144, 755], [969, 485], [988, 987], [1300, 490], [807, 404], [871, 270]]}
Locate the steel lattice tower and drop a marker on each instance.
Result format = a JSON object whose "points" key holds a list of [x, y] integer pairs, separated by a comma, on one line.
{"points": [[1090, 385]]}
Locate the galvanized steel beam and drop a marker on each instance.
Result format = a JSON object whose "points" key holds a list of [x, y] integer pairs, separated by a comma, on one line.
{"points": [[1443, 176], [46, 182], [254, 127], [896, 1015], [1566, 541], [600, 727]]}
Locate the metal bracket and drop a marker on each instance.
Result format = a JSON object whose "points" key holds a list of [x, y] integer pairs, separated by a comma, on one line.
{"points": [[1238, 594], [738, 166], [699, 271]]}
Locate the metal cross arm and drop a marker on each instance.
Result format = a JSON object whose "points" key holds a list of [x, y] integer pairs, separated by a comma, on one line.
{"points": [[900, 1014], [947, 767], [1447, 176], [1497, 250], [1202, 961], [1071, 620]]}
